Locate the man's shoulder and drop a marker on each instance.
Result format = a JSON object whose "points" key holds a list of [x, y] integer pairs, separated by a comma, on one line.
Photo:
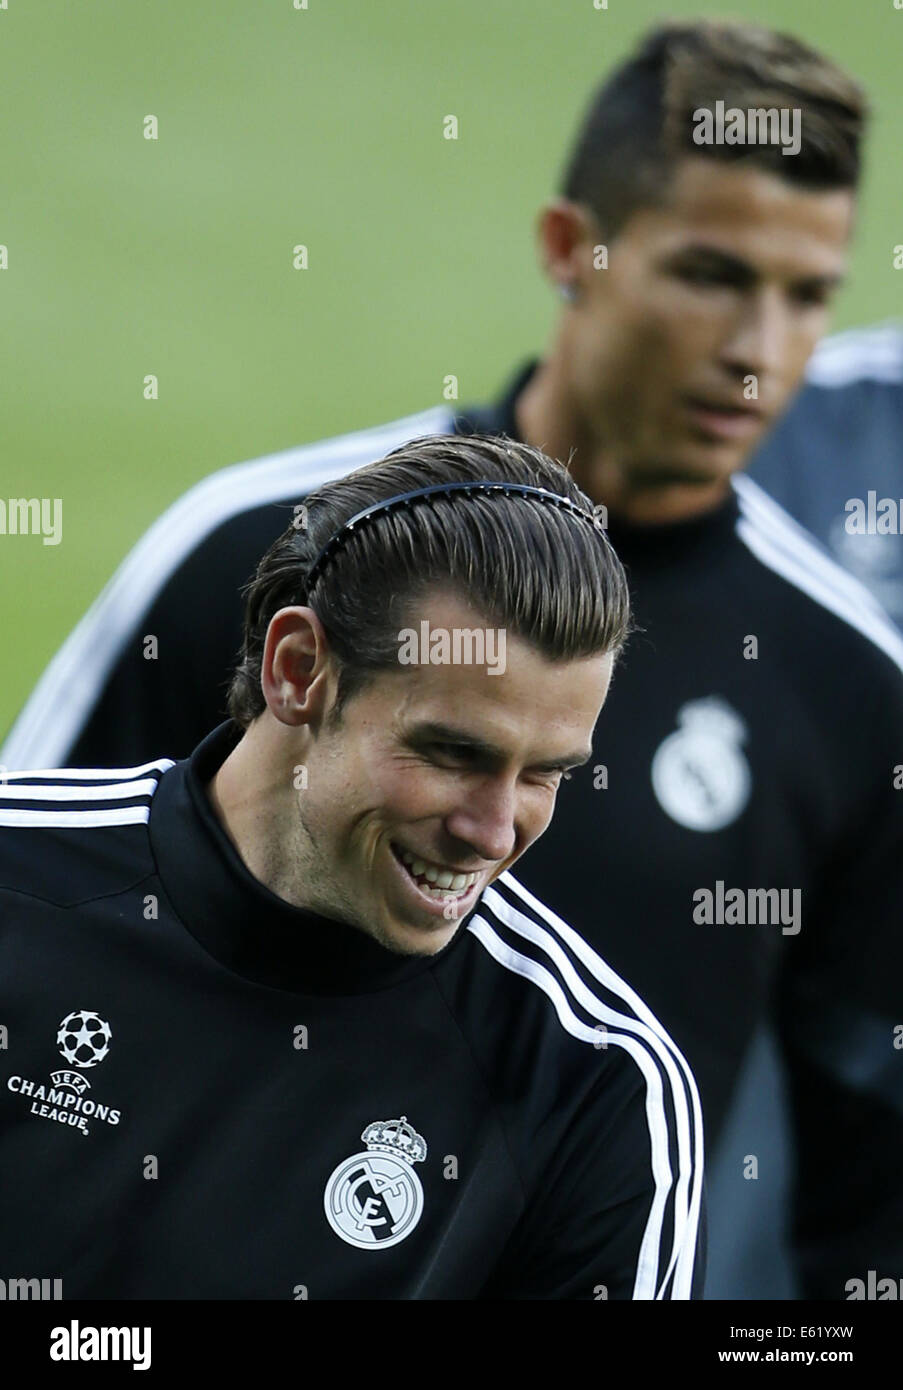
{"points": [[854, 380], [208, 541], [70, 835], [841, 432], [240, 504], [238, 511], [817, 596], [530, 974], [837, 450], [857, 359], [289, 474]]}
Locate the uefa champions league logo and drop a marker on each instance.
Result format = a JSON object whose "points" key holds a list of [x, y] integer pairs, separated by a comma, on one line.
{"points": [[84, 1038], [375, 1199]]}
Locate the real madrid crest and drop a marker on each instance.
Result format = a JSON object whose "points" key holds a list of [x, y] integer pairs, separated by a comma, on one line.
{"points": [[700, 773], [375, 1199]]}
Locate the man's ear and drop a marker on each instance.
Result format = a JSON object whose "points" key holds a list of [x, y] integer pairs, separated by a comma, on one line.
{"points": [[295, 670], [564, 234]]}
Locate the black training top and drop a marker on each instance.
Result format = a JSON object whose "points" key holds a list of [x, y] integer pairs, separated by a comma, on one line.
{"points": [[752, 747], [736, 844], [209, 1093]]}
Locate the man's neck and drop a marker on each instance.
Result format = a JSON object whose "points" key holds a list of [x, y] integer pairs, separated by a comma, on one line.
{"points": [[251, 799], [548, 417]]}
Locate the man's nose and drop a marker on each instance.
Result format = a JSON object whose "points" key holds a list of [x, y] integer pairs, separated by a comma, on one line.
{"points": [[486, 818], [758, 339]]}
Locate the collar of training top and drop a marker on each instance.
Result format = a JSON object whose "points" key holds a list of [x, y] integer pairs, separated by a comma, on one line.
{"points": [[653, 545], [235, 917]]}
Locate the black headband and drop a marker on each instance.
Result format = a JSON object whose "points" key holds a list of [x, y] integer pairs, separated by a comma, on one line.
{"points": [[404, 499]]}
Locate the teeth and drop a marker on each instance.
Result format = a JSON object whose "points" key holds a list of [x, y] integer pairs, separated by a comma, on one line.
{"points": [[442, 879]]}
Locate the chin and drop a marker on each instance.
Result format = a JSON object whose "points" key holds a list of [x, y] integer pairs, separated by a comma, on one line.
{"points": [[706, 467], [420, 941], [712, 459]]}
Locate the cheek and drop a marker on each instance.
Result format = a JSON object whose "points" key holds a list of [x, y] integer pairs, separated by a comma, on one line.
{"points": [[638, 337], [413, 793], [690, 325], [535, 811], [803, 339], [608, 358], [539, 821]]}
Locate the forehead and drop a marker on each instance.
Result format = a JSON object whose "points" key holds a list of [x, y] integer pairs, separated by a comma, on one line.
{"points": [[530, 689], [531, 700], [749, 213]]}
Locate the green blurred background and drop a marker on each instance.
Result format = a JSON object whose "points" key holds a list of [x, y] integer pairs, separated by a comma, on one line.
{"points": [[280, 126]]}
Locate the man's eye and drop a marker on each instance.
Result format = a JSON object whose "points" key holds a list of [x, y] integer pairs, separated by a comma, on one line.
{"points": [[696, 275], [450, 750], [562, 775], [813, 298]]}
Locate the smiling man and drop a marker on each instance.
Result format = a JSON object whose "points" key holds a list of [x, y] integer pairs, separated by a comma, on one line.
{"points": [[334, 1051], [396, 839]]}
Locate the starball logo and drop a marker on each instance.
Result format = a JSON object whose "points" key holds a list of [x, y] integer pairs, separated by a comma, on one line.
{"points": [[84, 1040]]}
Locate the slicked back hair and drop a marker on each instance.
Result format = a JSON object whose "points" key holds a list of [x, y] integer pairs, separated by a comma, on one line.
{"points": [[527, 566]]}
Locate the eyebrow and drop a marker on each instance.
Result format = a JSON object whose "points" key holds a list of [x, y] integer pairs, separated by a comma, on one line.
{"points": [[742, 269], [434, 731]]}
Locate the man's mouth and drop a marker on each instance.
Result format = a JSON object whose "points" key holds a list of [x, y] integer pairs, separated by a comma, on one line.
{"points": [[437, 882], [725, 419]]}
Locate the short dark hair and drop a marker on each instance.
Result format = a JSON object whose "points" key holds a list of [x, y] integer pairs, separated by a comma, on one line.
{"points": [[640, 122], [530, 567]]}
